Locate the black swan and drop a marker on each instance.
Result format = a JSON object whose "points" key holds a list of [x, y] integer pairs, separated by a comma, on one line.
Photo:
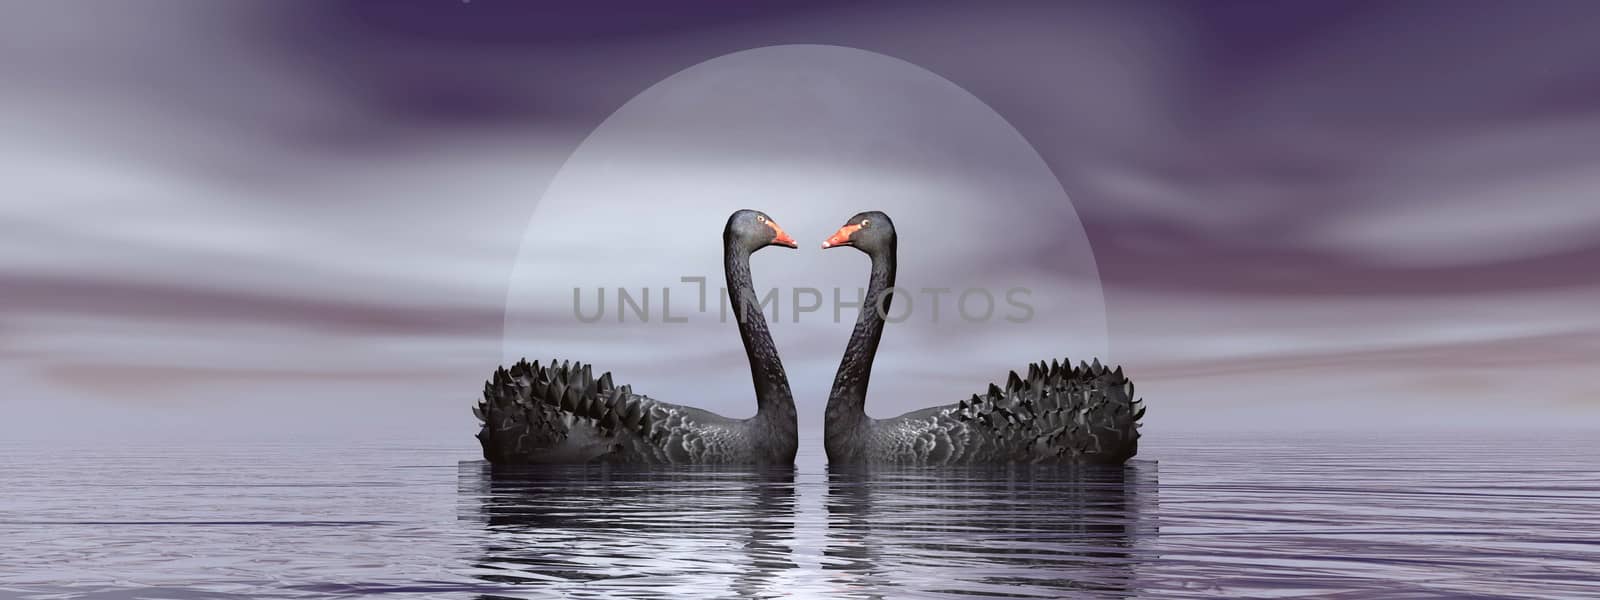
{"points": [[561, 413], [1057, 414]]}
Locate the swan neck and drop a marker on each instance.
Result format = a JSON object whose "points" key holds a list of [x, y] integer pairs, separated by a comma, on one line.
{"points": [[774, 401], [846, 415]]}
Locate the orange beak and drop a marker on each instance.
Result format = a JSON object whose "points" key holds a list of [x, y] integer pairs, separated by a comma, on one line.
{"points": [[779, 236], [841, 237]]}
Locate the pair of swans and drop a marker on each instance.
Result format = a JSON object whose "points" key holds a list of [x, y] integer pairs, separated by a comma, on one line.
{"points": [[562, 414]]}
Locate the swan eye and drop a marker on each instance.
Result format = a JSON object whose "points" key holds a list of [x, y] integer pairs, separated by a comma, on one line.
{"points": [[865, 223]]}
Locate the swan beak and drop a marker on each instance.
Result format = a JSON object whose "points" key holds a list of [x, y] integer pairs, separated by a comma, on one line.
{"points": [[780, 237], [840, 237]]}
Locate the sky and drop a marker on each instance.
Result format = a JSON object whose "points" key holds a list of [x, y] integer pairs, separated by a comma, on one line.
{"points": [[296, 220]]}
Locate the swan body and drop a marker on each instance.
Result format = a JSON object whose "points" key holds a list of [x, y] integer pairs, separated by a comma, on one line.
{"points": [[559, 413], [1056, 414]]}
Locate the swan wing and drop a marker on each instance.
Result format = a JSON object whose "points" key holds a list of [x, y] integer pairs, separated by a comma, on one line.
{"points": [[562, 413], [1057, 413]]}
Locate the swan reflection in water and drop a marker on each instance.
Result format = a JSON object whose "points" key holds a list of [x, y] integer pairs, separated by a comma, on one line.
{"points": [[744, 532], [997, 531], [598, 531]]}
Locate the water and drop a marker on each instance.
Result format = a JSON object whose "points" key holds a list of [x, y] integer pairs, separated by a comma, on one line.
{"points": [[1204, 517]]}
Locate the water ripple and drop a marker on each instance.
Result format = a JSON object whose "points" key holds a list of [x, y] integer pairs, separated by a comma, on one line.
{"points": [[1198, 517]]}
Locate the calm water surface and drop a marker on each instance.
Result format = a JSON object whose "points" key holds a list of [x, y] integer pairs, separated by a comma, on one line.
{"points": [[1197, 516]]}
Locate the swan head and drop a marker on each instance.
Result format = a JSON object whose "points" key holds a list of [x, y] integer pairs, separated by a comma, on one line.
{"points": [[753, 230], [870, 232]]}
